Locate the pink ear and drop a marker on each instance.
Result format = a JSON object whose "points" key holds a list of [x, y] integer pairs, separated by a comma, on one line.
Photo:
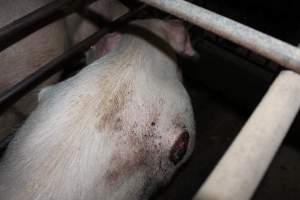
{"points": [[112, 41], [188, 49], [104, 46], [179, 37]]}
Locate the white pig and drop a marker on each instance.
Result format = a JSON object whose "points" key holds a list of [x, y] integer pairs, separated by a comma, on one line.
{"points": [[117, 130]]}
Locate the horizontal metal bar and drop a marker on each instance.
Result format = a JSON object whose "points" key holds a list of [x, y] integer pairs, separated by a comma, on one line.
{"points": [[26, 25], [10, 96], [94, 17], [242, 167], [269, 47]]}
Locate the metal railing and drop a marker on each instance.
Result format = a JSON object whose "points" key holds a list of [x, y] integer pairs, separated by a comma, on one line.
{"points": [[11, 95], [241, 169]]}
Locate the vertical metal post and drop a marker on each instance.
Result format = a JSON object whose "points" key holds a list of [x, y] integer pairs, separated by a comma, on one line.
{"points": [[241, 169]]}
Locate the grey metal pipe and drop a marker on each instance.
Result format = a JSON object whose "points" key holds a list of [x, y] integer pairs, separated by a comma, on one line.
{"points": [[269, 47], [11, 95], [242, 167], [37, 19]]}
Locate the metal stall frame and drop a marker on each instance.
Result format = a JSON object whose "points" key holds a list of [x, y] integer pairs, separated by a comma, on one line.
{"points": [[265, 129], [240, 170], [40, 18], [37, 19]]}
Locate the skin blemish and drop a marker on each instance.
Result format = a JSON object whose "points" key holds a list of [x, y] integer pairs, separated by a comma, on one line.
{"points": [[118, 124], [177, 122]]}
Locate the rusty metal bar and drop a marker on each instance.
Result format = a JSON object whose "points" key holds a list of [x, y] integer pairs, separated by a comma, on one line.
{"points": [[242, 167], [10, 96], [269, 47], [26, 25]]}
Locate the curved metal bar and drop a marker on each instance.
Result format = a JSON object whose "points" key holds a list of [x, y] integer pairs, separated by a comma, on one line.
{"points": [[26, 25], [10, 96], [269, 47]]}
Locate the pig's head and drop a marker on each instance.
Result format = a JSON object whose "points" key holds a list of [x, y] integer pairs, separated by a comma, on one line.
{"points": [[153, 135], [150, 120]]}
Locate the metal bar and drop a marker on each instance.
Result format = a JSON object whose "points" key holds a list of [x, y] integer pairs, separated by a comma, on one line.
{"points": [[94, 17], [269, 47], [26, 25], [242, 167], [10, 96]]}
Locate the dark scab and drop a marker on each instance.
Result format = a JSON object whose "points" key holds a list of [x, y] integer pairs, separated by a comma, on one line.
{"points": [[152, 123], [177, 122], [179, 148], [118, 124]]}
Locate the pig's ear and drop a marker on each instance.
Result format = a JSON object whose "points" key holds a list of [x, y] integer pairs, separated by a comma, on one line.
{"points": [[43, 93], [179, 38], [103, 46], [188, 49]]}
